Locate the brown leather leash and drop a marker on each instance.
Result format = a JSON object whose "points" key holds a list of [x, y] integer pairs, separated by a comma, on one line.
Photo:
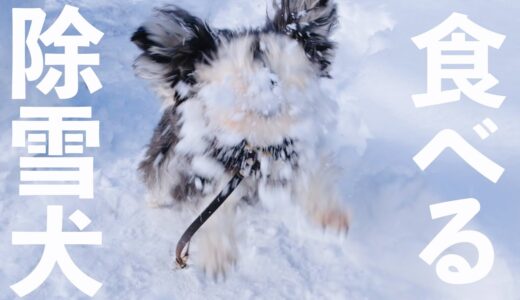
{"points": [[250, 165]]}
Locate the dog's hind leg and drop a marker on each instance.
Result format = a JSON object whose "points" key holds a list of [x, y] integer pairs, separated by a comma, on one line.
{"points": [[156, 170]]}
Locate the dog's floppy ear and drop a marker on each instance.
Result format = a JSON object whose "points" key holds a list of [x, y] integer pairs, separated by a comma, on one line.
{"points": [[173, 43], [311, 22]]}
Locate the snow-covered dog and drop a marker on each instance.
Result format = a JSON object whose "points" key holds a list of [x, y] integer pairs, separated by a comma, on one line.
{"points": [[223, 90]]}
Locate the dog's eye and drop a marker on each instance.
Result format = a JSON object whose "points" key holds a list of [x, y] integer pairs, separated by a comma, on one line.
{"points": [[274, 83]]}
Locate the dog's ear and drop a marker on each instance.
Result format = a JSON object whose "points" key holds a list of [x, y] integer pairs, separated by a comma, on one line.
{"points": [[311, 22], [173, 43]]}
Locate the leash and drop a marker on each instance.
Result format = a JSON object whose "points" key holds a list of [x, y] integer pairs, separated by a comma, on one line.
{"points": [[249, 165]]}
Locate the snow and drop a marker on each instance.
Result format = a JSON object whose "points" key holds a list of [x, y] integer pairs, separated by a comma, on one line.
{"points": [[282, 255]]}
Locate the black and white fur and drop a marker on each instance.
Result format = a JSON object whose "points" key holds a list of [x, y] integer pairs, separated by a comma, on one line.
{"points": [[223, 88]]}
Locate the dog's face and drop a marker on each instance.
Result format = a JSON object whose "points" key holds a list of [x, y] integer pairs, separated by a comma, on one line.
{"points": [[254, 84]]}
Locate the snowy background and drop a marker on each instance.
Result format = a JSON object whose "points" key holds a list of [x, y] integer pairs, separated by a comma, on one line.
{"points": [[377, 70]]}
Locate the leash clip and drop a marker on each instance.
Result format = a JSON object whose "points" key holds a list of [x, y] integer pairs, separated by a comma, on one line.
{"points": [[250, 164]]}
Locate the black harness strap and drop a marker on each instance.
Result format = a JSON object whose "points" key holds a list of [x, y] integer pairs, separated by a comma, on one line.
{"points": [[249, 165]]}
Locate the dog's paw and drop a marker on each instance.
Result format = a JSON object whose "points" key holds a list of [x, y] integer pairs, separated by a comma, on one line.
{"points": [[218, 256], [334, 219], [221, 262]]}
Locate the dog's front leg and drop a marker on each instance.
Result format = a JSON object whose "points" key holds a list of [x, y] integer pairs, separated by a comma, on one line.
{"points": [[316, 189], [216, 239]]}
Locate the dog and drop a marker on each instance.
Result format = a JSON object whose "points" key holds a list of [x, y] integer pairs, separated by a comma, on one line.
{"points": [[222, 90]]}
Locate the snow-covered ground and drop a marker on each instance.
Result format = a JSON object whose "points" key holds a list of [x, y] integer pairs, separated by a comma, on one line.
{"points": [[282, 256]]}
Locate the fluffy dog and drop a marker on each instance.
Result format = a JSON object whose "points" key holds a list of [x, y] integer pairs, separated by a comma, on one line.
{"points": [[222, 90]]}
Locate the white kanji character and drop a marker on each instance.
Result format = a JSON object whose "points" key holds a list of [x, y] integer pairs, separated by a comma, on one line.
{"points": [[446, 58], [451, 139], [70, 59], [21, 39], [54, 136], [55, 252], [452, 268]]}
